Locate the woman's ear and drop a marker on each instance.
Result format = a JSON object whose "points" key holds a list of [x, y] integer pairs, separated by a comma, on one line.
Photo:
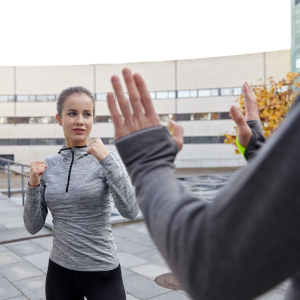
{"points": [[58, 120]]}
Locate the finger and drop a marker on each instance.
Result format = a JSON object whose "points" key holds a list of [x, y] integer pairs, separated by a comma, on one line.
{"points": [[177, 133], [124, 104], [115, 115], [250, 103], [133, 92], [145, 97]]}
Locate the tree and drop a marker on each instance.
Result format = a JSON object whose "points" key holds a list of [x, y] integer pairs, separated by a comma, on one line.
{"points": [[273, 101]]}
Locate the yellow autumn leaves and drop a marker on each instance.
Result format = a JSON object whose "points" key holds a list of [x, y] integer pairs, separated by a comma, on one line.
{"points": [[273, 102]]}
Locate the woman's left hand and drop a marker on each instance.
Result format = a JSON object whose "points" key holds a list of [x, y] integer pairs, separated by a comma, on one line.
{"points": [[96, 147]]}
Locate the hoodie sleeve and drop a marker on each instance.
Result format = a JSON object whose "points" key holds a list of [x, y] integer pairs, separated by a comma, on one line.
{"points": [[120, 185], [35, 209], [242, 244]]}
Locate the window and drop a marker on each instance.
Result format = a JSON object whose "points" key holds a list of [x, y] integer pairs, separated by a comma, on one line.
{"points": [[162, 95], [237, 91], [214, 116], [51, 98], [214, 92], [172, 95], [183, 94], [224, 116], [298, 59], [3, 98], [22, 98], [3, 120], [152, 95], [103, 119], [193, 93], [203, 140], [184, 117], [226, 92], [167, 117], [101, 97], [41, 98], [204, 93], [31, 98]]}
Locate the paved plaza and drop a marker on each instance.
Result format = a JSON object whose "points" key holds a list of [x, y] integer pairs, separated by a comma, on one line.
{"points": [[23, 264]]}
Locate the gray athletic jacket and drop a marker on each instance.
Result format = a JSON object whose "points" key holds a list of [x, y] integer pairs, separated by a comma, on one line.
{"points": [[243, 243], [78, 189]]}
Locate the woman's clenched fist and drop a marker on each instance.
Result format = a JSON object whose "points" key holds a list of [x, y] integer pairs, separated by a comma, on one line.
{"points": [[37, 169], [97, 148]]}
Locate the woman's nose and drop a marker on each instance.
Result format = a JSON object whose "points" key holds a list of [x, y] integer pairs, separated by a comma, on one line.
{"points": [[79, 120]]}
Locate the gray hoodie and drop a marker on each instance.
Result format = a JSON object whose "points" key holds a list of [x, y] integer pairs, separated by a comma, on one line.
{"points": [[77, 189]]}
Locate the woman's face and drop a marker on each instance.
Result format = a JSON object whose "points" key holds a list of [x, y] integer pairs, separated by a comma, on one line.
{"points": [[77, 119]]}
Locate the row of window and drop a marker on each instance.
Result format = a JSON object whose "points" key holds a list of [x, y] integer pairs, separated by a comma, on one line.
{"points": [[154, 95], [107, 119], [298, 62], [106, 141]]}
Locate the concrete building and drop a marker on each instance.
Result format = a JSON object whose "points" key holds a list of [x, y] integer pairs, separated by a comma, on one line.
{"points": [[295, 49], [197, 93]]}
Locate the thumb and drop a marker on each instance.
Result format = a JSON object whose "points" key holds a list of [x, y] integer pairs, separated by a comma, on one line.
{"points": [[176, 131], [244, 131]]}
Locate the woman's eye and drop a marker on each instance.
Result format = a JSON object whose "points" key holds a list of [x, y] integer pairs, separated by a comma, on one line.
{"points": [[72, 114], [87, 114]]}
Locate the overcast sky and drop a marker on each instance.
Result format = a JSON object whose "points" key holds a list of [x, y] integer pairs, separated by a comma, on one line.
{"points": [[72, 32]]}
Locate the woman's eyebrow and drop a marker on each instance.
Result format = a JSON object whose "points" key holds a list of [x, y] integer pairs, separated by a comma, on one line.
{"points": [[72, 109]]}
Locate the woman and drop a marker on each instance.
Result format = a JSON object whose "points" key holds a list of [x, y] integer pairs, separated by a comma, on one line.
{"points": [[76, 185]]}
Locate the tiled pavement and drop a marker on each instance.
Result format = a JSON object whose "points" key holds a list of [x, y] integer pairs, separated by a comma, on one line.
{"points": [[23, 266]]}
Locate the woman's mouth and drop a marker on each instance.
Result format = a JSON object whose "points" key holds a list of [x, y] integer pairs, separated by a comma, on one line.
{"points": [[79, 130]]}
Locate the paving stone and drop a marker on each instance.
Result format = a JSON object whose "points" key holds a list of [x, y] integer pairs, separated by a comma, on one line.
{"points": [[143, 288], [274, 294], [118, 239], [47, 246], [142, 239], [14, 225], [153, 256], [7, 290], [17, 233], [19, 298], [44, 270], [33, 288], [128, 260], [44, 240], [25, 248], [8, 257], [130, 297], [132, 247], [123, 233], [150, 270], [172, 296], [143, 230], [126, 272], [3, 248], [2, 227], [19, 271], [39, 260]]}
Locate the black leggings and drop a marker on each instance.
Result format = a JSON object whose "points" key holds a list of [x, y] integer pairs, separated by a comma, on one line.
{"points": [[65, 284]]}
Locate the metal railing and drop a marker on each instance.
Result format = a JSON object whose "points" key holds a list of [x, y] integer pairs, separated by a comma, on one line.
{"points": [[9, 163]]}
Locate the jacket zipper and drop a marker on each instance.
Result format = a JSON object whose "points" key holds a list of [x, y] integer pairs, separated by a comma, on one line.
{"points": [[67, 188]]}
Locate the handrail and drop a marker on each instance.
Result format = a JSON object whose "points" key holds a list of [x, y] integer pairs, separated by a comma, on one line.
{"points": [[8, 169], [19, 173], [13, 162]]}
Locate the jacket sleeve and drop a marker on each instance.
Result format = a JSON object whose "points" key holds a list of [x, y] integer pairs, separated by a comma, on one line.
{"points": [[120, 185], [35, 209], [242, 244], [257, 139]]}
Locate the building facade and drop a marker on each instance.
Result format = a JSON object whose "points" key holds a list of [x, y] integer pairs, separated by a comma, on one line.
{"points": [[295, 46], [197, 93]]}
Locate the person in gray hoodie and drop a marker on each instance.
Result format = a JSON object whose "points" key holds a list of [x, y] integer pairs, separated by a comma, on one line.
{"points": [[247, 240], [250, 140], [77, 185]]}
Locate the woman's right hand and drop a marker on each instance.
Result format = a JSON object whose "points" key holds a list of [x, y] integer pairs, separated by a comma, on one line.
{"points": [[37, 169]]}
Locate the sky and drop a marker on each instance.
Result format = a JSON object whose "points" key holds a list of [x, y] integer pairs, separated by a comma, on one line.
{"points": [[80, 32]]}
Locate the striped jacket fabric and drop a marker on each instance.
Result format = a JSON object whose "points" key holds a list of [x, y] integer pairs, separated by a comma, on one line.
{"points": [[78, 189]]}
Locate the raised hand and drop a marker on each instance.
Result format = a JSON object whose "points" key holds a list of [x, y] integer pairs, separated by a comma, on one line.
{"points": [[37, 169], [96, 147], [244, 131], [143, 116]]}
